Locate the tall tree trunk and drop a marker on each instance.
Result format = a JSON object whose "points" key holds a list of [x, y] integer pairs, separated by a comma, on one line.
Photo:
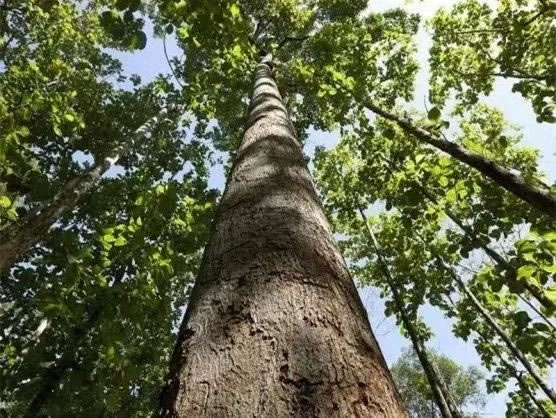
{"points": [[541, 199], [441, 394], [275, 326], [500, 332], [24, 237]]}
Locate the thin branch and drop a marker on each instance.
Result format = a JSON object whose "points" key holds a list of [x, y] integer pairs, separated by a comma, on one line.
{"points": [[467, 32], [522, 76], [292, 39], [546, 8], [170, 64]]}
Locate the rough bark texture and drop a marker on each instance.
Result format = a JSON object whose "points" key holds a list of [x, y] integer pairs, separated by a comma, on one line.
{"points": [[541, 199], [32, 231], [275, 326], [442, 397]]}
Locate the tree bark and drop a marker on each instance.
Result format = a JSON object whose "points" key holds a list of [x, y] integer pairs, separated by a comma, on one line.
{"points": [[275, 326], [535, 196], [33, 230], [500, 332], [441, 394]]}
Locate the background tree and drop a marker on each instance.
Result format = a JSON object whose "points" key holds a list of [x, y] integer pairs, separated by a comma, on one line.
{"points": [[474, 44], [463, 384], [89, 315]]}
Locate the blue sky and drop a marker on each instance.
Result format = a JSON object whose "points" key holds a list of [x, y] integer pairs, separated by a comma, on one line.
{"points": [[150, 62]]}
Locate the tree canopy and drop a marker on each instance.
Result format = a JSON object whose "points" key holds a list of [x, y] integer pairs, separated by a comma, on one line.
{"points": [[105, 204], [463, 384]]}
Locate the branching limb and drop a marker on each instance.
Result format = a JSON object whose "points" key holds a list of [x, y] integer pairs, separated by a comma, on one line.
{"points": [[292, 39]]}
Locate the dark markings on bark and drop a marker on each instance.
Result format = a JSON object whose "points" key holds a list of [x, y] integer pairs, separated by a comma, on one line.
{"points": [[275, 326]]}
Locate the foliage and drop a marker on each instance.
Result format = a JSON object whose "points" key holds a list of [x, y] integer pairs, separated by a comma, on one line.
{"points": [[430, 208], [103, 291], [89, 315], [475, 44]]}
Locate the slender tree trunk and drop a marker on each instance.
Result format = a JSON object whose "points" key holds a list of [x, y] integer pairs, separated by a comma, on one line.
{"points": [[537, 197], [500, 332], [493, 254], [513, 371], [517, 376], [442, 397], [55, 374], [275, 326], [23, 237]]}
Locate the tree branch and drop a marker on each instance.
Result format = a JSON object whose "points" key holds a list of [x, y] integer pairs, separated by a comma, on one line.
{"points": [[292, 39], [170, 64]]}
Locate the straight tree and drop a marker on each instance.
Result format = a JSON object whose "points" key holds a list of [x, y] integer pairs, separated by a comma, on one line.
{"points": [[274, 325]]}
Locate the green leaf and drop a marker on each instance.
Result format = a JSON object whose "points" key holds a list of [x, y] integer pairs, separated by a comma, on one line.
{"points": [[434, 114], [122, 4], [526, 343], [108, 238], [138, 40], [120, 242], [389, 133], [237, 52], [235, 11], [11, 214], [5, 202], [525, 272], [521, 319]]}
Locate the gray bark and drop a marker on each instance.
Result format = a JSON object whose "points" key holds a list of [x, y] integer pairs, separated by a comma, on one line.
{"points": [[441, 394], [275, 326], [23, 237]]}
